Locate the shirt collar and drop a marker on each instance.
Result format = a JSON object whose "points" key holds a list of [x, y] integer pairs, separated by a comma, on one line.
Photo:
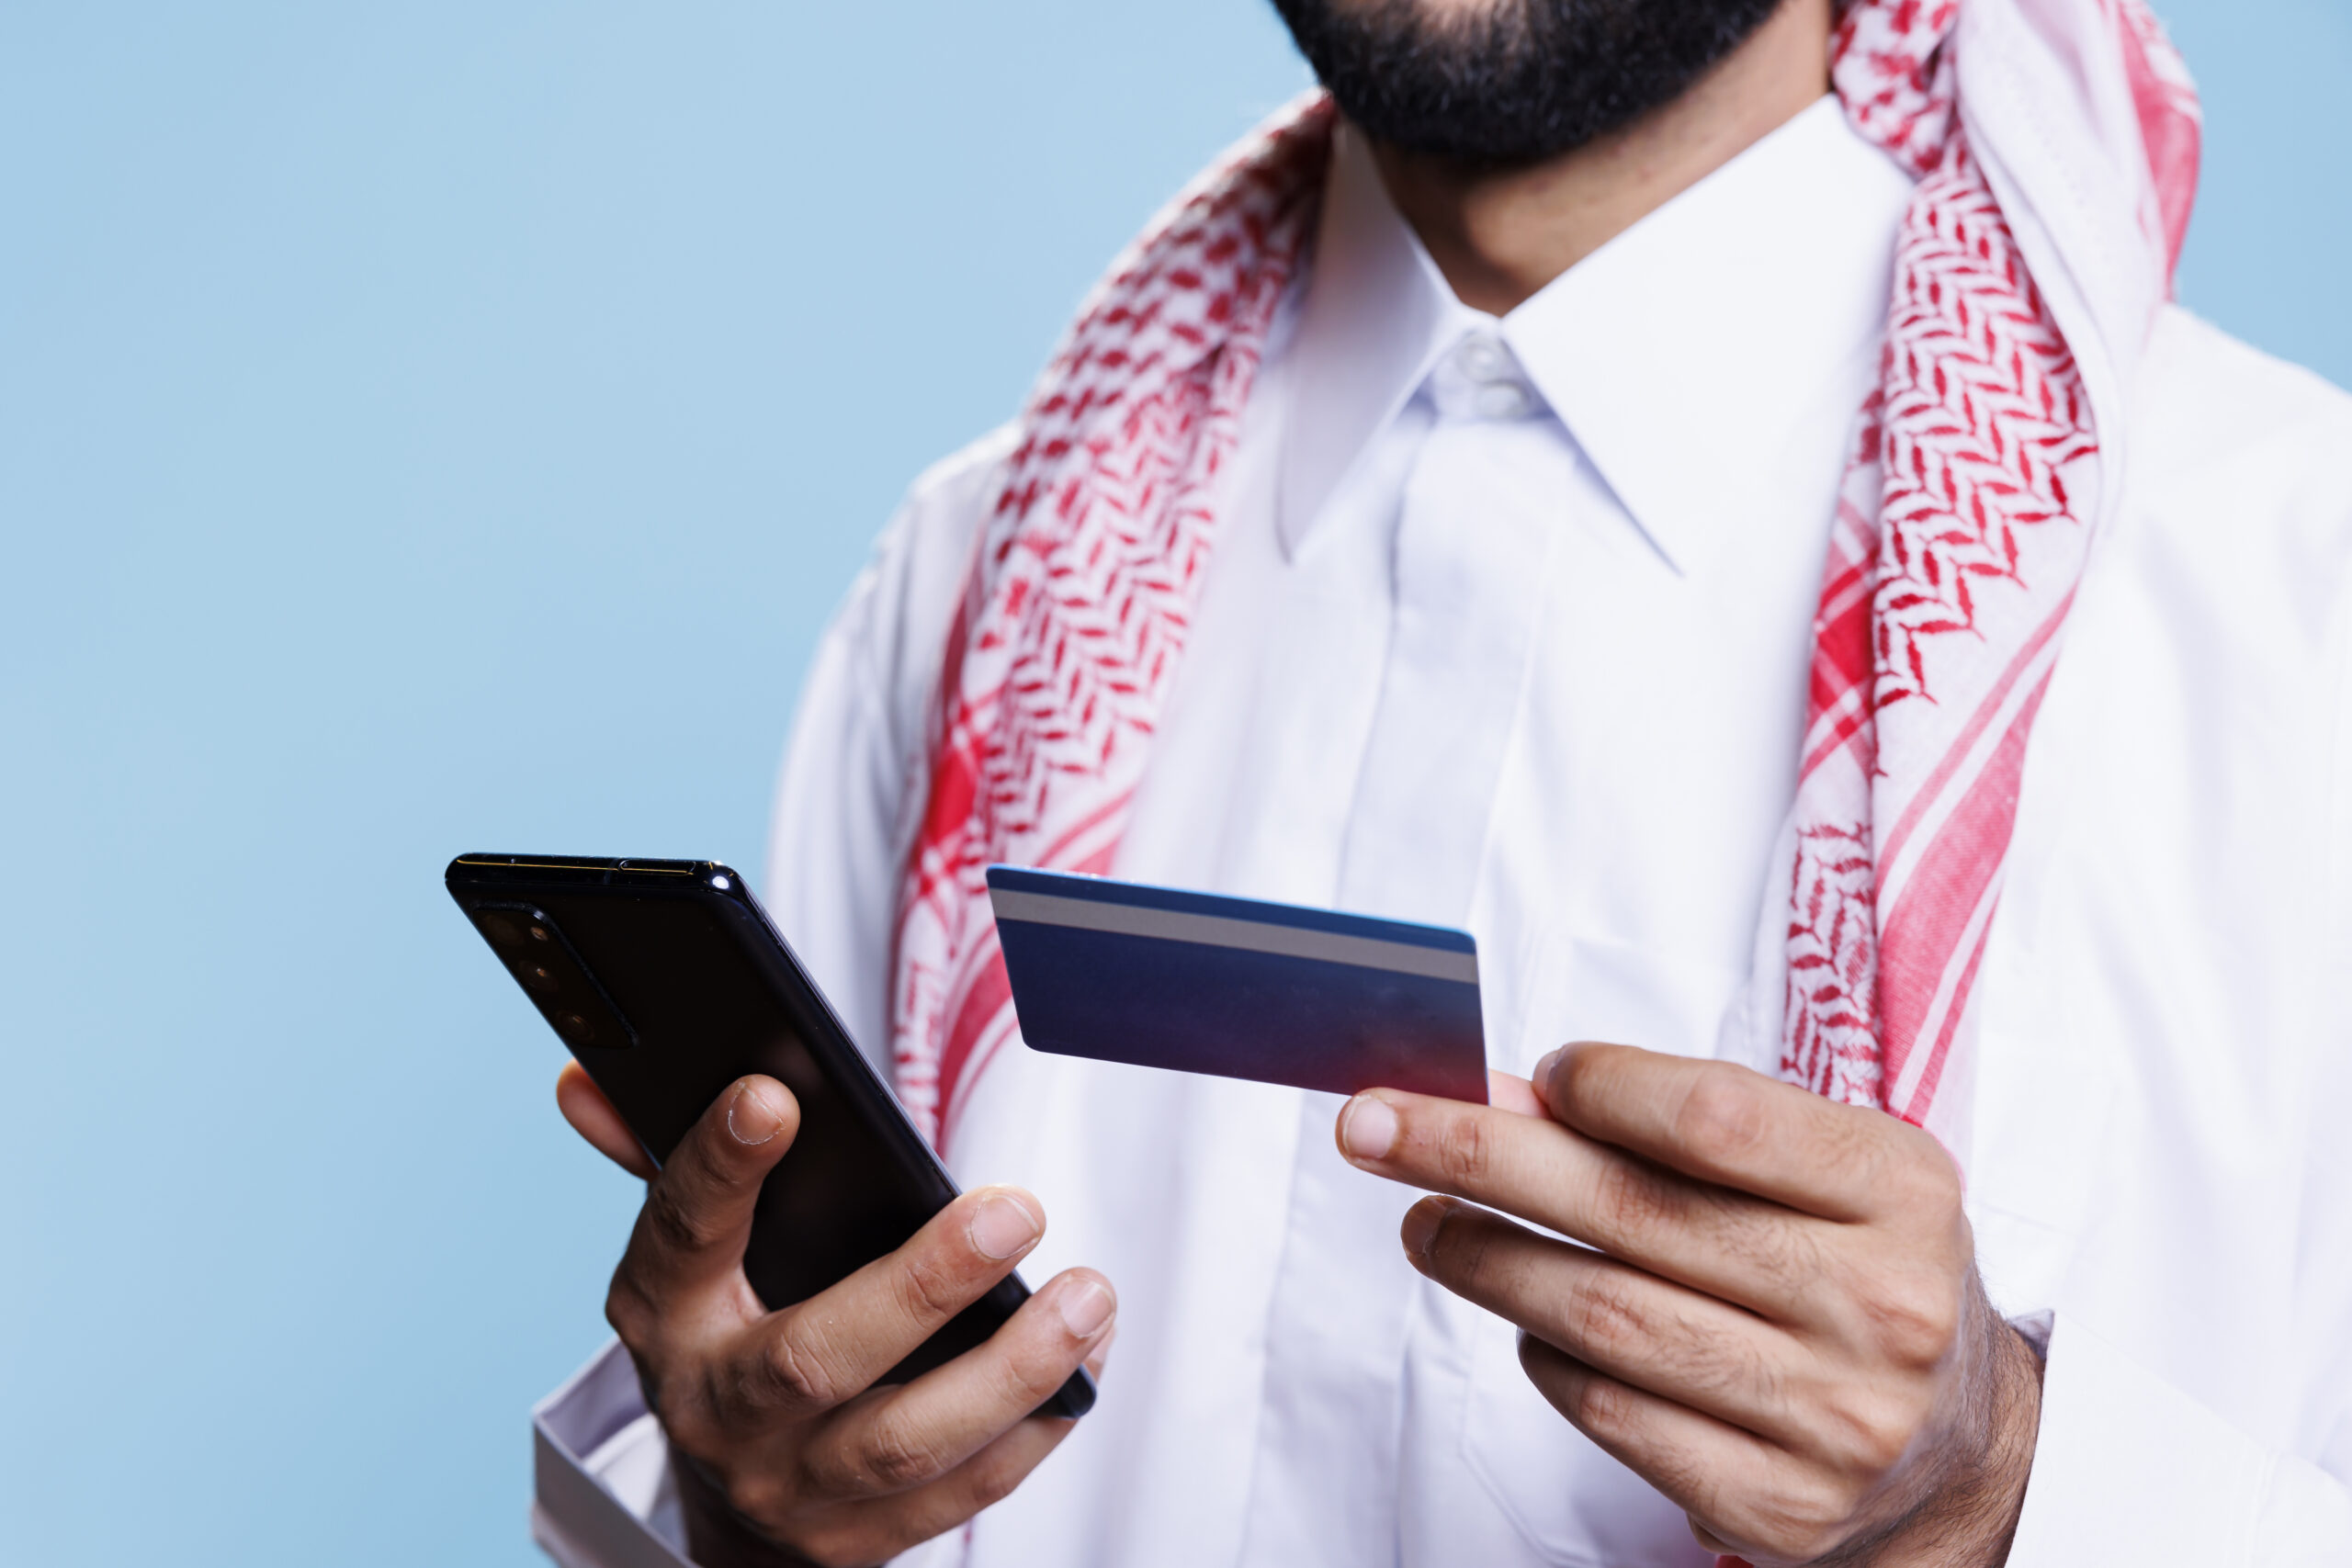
{"points": [[1678, 355], [1377, 316]]}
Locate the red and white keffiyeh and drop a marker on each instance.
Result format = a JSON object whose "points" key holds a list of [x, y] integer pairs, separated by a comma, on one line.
{"points": [[1956, 549]]}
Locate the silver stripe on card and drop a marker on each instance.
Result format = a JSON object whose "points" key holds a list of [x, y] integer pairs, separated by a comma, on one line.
{"points": [[1251, 936]]}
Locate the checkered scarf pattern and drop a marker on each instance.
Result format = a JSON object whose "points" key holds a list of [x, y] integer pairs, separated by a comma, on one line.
{"points": [[1956, 548]]}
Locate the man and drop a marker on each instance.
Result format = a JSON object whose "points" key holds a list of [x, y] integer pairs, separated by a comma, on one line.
{"points": [[1427, 518]]}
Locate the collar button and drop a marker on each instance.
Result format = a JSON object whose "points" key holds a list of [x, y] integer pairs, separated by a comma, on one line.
{"points": [[1485, 360]]}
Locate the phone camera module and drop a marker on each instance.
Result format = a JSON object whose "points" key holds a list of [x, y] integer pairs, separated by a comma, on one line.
{"points": [[536, 950], [513, 929]]}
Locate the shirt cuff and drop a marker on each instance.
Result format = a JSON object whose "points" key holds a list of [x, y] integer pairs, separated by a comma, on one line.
{"points": [[601, 1491], [2128, 1468]]}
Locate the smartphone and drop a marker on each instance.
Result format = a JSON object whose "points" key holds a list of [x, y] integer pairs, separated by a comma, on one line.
{"points": [[667, 982]]}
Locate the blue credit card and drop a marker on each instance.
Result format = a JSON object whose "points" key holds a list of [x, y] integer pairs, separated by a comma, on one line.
{"points": [[1239, 988]]}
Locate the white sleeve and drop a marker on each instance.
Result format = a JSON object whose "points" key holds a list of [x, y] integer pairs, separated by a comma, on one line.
{"points": [[2128, 1468], [603, 1495], [600, 1474]]}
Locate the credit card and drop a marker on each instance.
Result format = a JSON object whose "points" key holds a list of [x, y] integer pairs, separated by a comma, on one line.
{"points": [[1199, 983]]}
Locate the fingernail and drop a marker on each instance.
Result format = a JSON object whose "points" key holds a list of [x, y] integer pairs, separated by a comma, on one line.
{"points": [[1422, 1222], [1369, 1129], [1541, 1076], [1085, 1305], [1004, 1226], [750, 1119]]}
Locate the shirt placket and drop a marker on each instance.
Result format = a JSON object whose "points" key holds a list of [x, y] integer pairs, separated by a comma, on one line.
{"points": [[1473, 541]]}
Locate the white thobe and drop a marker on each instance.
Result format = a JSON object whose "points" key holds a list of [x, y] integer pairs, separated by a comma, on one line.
{"points": [[1508, 627]]}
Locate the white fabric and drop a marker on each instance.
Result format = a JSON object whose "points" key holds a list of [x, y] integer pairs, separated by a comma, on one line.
{"points": [[1630, 477], [602, 1494]]}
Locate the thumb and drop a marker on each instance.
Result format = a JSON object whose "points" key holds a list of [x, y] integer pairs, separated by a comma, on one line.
{"points": [[697, 1212]]}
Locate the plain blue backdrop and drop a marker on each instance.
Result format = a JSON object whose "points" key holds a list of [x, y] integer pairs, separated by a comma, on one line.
{"points": [[446, 426]]}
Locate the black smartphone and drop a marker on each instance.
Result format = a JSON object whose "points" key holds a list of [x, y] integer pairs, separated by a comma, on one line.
{"points": [[667, 982]]}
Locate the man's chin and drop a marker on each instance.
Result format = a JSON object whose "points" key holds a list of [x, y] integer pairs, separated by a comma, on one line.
{"points": [[1509, 82]]}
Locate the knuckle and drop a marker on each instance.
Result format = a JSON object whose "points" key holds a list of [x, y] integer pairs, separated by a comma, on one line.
{"points": [[795, 1375], [1466, 1151], [994, 1479], [928, 1290], [895, 1458], [832, 1475], [757, 1495], [1581, 1077], [1914, 1318], [1603, 1319], [1027, 1381], [1635, 1198], [1604, 1408], [1767, 1241], [1722, 1118], [1873, 1432], [629, 1309], [673, 1222], [1926, 1180], [1911, 1178], [1801, 1521], [1727, 1366], [996, 1474]]}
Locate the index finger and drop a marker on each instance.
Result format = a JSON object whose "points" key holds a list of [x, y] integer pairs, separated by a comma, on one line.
{"points": [[918, 1433], [592, 1117], [1732, 1126], [838, 1343], [1730, 1245]]}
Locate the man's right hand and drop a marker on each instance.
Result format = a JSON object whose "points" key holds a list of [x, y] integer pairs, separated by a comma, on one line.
{"points": [[792, 1454]]}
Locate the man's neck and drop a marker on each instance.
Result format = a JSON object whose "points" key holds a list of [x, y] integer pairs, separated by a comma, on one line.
{"points": [[1501, 234]]}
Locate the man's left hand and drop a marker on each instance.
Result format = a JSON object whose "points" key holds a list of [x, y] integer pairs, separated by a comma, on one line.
{"points": [[1776, 1319]]}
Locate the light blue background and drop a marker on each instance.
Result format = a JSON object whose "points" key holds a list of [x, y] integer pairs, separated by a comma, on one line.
{"points": [[445, 426]]}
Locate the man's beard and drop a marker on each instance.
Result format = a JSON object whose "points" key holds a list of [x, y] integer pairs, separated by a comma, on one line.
{"points": [[1512, 80]]}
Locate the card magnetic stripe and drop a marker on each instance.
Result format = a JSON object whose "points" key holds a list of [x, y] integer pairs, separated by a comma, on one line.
{"points": [[1249, 935]]}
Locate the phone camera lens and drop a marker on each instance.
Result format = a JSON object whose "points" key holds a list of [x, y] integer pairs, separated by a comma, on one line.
{"points": [[576, 1028], [541, 978], [539, 933]]}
